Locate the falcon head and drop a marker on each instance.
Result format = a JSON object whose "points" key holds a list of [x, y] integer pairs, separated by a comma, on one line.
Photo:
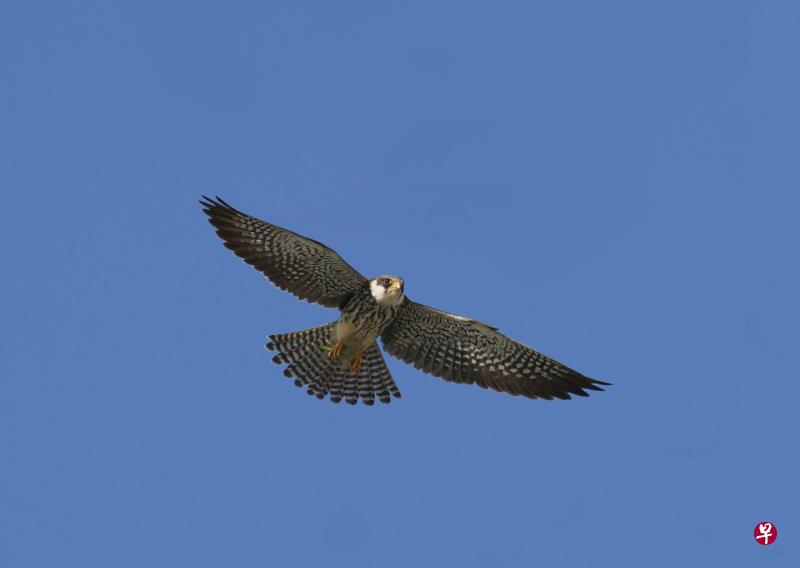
{"points": [[387, 289]]}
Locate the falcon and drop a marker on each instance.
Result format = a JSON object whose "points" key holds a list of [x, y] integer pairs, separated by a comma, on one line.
{"points": [[342, 360]]}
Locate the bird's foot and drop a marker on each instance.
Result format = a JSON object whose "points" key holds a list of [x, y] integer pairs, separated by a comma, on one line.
{"points": [[356, 367], [335, 351]]}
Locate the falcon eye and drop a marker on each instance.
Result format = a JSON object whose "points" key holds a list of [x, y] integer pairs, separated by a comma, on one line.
{"points": [[386, 281]]}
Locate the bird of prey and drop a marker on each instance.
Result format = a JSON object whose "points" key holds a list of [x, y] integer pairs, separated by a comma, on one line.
{"points": [[341, 359]]}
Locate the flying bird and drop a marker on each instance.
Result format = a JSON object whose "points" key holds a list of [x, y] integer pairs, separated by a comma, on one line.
{"points": [[342, 360]]}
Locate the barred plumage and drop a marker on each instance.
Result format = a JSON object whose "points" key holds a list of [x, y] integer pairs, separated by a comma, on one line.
{"points": [[305, 267], [342, 360], [309, 365], [463, 350], [367, 315]]}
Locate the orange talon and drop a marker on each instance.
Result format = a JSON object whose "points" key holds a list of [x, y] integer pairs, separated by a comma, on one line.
{"points": [[356, 363], [335, 351]]}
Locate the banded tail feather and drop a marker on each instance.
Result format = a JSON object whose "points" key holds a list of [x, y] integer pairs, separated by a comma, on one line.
{"points": [[306, 355]]}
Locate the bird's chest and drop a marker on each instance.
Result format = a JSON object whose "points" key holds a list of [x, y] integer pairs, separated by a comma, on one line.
{"points": [[363, 320]]}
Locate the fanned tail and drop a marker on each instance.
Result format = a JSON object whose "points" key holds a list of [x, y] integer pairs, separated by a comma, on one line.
{"points": [[306, 355]]}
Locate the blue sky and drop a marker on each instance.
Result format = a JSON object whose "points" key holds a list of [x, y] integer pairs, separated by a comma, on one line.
{"points": [[614, 183]]}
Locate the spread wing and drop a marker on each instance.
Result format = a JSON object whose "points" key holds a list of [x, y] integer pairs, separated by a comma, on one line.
{"points": [[306, 268], [463, 350]]}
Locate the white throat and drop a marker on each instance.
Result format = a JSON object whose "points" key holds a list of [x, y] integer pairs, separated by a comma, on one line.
{"points": [[391, 297]]}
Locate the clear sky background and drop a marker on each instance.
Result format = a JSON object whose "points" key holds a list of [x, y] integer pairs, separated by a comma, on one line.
{"points": [[614, 183]]}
